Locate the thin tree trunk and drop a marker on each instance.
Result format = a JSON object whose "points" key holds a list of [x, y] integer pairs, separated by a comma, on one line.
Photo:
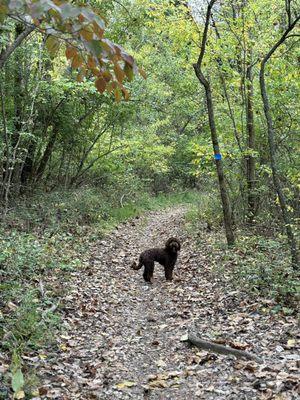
{"points": [[214, 136], [250, 161], [271, 141], [5, 164], [47, 153], [28, 166]]}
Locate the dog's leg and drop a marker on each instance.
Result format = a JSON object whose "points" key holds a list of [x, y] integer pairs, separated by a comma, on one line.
{"points": [[169, 273], [148, 271]]}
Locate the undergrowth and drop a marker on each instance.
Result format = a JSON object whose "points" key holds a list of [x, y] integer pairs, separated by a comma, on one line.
{"points": [[259, 263]]}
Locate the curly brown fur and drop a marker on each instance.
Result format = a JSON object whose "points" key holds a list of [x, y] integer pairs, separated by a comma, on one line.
{"points": [[166, 257]]}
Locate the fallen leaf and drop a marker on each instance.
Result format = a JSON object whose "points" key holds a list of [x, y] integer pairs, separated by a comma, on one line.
{"points": [[158, 383], [291, 343], [19, 395], [184, 338], [125, 384], [161, 363]]}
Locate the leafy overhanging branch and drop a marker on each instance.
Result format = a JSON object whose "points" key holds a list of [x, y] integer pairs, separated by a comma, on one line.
{"points": [[82, 31]]}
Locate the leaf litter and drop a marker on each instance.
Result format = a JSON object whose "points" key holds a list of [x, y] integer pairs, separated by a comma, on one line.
{"points": [[124, 339]]}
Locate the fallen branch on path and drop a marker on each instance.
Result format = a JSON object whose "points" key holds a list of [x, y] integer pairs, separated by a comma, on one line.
{"points": [[218, 348]]}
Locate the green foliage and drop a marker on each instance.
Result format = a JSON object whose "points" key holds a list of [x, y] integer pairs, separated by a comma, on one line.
{"points": [[261, 266], [206, 211], [258, 264]]}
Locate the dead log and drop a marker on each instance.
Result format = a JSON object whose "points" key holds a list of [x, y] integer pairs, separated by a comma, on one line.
{"points": [[218, 348]]}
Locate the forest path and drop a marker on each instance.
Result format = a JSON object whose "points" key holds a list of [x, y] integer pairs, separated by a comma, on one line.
{"points": [[122, 336]]}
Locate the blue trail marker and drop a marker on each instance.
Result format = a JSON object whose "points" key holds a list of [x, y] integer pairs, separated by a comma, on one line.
{"points": [[218, 156]]}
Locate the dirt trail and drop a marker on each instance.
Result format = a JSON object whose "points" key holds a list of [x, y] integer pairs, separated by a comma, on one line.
{"points": [[121, 336]]}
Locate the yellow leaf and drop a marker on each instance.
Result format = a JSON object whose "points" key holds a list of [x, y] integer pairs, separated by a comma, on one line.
{"points": [[63, 347], [19, 395], [125, 384], [107, 76], [291, 342]]}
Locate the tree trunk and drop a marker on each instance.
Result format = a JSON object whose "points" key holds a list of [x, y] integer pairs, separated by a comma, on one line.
{"points": [[227, 214], [28, 167], [271, 142], [47, 153], [250, 160]]}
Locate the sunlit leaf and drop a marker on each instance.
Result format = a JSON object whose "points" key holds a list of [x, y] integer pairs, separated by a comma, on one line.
{"points": [[19, 395]]}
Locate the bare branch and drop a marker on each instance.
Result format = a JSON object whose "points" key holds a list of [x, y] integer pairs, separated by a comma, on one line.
{"points": [[220, 349], [198, 65]]}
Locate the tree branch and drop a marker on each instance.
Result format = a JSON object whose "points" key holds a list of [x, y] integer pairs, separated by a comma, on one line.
{"points": [[220, 349], [5, 54]]}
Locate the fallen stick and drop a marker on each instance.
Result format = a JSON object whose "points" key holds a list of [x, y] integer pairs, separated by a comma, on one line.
{"points": [[218, 348], [50, 310]]}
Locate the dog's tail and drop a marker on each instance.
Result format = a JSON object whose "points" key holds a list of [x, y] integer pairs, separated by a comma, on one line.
{"points": [[136, 266]]}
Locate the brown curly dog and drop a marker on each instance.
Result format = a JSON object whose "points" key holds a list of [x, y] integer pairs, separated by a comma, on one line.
{"points": [[166, 257]]}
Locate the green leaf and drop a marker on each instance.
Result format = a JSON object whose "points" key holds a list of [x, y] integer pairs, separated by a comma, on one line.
{"points": [[17, 380], [52, 45]]}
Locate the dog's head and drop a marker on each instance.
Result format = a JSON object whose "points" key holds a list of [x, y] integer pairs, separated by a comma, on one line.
{"points": [[173, 245]]}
